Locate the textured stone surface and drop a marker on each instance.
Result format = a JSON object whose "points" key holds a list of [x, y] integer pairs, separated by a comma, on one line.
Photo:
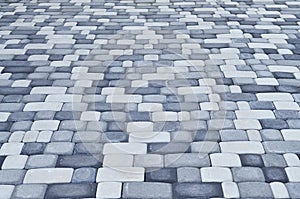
{"points": [[149, 99]]}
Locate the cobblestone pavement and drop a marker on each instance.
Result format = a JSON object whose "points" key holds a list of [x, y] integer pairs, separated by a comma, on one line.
{"points": [[161, 99]]}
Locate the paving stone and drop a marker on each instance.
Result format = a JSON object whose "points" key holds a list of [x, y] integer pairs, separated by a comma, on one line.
{"points": [[271, 135], [6, 191], [33, 148], [293, 189], [11, 148], [12, 177], [41, 161], [62, 136], [215, 174], [49, 175], [84, 175], [116, 160], [192, 190], [273, 160], [293, 174], [109, 190], [275, 174], [279, 190], [242, 147], [147, 190], [79, 160], [251, 160], [186, 160], [255, 189], [84, 190], [148, 160], [230, 190], [273, 124], [14, 162], [248, 174], [281, 147], [162, 175], [225, 160], [29, 191], [122, 174], [188, 174]]}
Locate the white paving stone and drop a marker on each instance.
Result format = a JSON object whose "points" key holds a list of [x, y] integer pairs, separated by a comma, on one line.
{"points": [[14, 162], [293, 173], [41, 125], [30, 136], [274, 97], [120, 174], [139, 127], [4, 116], [242, 147], [279, 190], [215, 174], [149, 137], [109, 190], [90, 116], [6, 191], [112, 91], [21, 83], [49, 175], [124, 99], [291, 159], [43, 106], [291, 134], [150, 107], [48, 90], [164, 116], [11, 148], [230, 190], [125, 148], [116, 160], [225, 160], [64, 98], [246, 124], [286, 106], [254, 114]]}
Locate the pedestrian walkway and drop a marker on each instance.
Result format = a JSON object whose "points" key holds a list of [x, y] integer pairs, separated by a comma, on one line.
{"points": [[149, 99]]}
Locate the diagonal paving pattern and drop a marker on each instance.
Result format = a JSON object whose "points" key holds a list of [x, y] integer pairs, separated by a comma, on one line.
{"points": [[157, 99]]}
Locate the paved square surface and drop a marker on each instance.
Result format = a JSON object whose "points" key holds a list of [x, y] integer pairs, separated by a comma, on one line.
{"points": [[158, 99]]}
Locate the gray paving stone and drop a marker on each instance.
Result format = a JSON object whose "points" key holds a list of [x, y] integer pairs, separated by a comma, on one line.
{"points": [[29, 191], [271, 135], [251, 160], [61, 148], [273, 160], [197, 190], [62, 136], [41, 161], [293, 189], [80, 160], [32, 148], [188, 174], [84, 175], [255, 189], [162, 175], [85, 190], [12, 177], [186, 160], [4, 136], [147, 190], [275, 174], [247, 174], [281, 147]]}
